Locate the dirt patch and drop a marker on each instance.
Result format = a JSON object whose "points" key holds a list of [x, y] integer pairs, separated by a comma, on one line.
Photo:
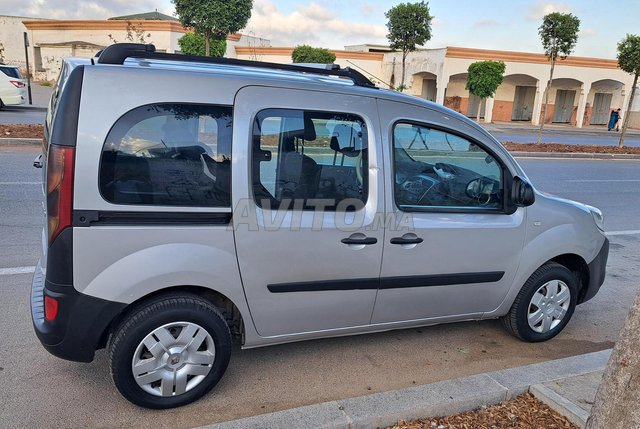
{"points": [[570, 148], [522, 412], [22, 131]]}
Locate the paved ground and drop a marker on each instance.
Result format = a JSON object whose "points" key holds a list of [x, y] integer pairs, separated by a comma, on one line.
{"points": [[25, 113], [45, 391]]}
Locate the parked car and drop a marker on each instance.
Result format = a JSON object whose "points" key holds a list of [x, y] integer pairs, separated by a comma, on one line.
{"points": [[256, 201], [13, 89]]}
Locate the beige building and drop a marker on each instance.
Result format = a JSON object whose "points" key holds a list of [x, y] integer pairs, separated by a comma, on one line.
{"points": [[584, 90]]}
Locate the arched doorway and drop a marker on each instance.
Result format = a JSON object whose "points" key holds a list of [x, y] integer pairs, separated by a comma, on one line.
{"points": [[425, 84], [605, 95]]}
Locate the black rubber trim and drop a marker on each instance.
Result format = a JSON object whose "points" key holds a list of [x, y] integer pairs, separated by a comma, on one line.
{"points": [[597, 272], [326, 285], [64, 131], [388, 282], [367, 241], [440, 280], [400, 240], [60, 259], [85, 218], [82, 320]]}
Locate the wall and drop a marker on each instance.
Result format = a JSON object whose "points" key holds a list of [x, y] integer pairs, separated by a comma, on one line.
{"points": [[12, 40]]}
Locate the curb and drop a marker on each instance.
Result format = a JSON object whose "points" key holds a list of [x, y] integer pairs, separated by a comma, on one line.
{"points": [[19, 141], [560, 404], [436, 399]]}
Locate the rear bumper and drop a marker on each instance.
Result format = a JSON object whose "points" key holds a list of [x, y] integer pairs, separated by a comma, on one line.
{"points": [[81, 324], [14, 100], [597, 271]]}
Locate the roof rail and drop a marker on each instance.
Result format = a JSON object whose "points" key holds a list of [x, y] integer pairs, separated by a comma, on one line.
{"points": [[119, 52]]}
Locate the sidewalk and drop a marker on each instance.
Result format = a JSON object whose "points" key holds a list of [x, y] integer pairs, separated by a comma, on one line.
{"points": [[566, 385], [527, 127]]}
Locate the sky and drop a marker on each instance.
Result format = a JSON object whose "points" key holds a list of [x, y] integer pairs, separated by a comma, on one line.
{"points": [[487, 24]]}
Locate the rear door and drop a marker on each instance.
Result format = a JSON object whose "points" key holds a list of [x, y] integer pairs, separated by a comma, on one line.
{"points": [[307, 185]]}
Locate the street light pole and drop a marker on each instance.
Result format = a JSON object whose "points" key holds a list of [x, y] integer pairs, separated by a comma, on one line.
{"points": [[26, 56]]}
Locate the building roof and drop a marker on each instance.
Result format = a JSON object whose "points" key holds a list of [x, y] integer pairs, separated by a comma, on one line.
{"points": [[156, 16]]}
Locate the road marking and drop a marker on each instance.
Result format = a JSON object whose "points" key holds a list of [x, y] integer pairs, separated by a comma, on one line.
{"points": [[16, 270], [602, 180], [628, 232], [20, 183]]}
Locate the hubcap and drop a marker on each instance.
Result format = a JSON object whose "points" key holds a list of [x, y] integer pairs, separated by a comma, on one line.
{"points": [[173, 359], [548, 306]]}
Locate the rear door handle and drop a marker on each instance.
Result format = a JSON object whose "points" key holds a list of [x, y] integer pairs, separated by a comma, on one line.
{"points": [[366, 241], [402, 240]]}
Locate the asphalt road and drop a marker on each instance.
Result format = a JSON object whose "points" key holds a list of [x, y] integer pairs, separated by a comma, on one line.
{"points": [[40, 390]]}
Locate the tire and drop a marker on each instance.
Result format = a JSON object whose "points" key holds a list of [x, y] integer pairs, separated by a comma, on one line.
{"points": [[549, 284], [150, 342]]}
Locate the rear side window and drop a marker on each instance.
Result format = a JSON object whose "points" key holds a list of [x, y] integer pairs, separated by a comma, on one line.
{"points": [[305, 158], [169, 155], [11, 72]]}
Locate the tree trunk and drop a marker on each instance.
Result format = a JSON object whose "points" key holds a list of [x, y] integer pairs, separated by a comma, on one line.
{"points": [[207, 45], [404, 59], [479, 110], [546, 100], [618, 396], [625, 121]]}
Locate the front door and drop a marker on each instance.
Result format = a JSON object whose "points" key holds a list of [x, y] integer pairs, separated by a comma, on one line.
{"points": [[459, 254], [475, 103], [563, 107], [601, 108], [307, 185], [523, 103]]}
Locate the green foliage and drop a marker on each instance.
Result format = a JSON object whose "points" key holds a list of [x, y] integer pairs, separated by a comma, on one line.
{"points": [[308, 54], [409, 26], [194, 44], [484, 78], [629, 54], [214, 19], [559, 34]]}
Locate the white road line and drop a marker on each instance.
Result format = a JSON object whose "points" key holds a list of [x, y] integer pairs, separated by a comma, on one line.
{"points": [[601, 180], [20, 183], [628, 232], [16, 270]]}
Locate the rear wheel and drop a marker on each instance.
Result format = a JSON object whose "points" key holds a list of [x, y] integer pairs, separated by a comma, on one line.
{"points": [[544, 305], [170, 352]]}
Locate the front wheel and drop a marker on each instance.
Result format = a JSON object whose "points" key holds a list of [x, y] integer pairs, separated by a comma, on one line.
{"points": [[170, 352], [544, 305]]}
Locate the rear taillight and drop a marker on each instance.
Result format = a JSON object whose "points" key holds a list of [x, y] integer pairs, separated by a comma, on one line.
{"points": [[17, 83], [50, 308], [59, 189]]}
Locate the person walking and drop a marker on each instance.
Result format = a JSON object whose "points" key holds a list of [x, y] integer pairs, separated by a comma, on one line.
{"points": [[613, 120]]}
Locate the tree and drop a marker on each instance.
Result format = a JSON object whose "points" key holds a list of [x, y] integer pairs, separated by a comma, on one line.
{"points": [[483, 79], [308, 54], [214, 19], [559, 34], [409, 26], [194, 44], [618, 396], [629, 61]]}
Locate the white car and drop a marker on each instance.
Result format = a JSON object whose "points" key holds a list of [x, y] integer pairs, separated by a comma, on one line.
{"points": [[13, 89]]}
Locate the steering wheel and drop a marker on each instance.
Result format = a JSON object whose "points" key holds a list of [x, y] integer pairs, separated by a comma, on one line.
{"points": [[481, 190]]}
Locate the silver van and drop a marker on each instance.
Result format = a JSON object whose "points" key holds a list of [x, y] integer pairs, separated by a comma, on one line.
{"points": [[193, 201]]}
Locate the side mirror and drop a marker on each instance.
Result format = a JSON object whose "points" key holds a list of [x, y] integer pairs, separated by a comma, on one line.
{"points": [[522, 194]]}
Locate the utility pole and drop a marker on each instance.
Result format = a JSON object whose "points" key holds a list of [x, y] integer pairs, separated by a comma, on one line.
{"points": [[26, 56]]}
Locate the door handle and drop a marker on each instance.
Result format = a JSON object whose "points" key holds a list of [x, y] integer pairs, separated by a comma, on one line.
{"points": [[366, 241], [402, 240]]}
